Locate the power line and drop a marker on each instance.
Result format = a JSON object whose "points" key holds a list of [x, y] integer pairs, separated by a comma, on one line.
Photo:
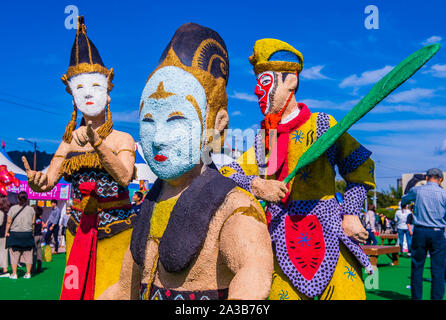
{"points": [[29, 100], [29, 107]]}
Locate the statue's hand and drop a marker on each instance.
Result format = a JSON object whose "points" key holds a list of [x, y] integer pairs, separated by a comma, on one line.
{"points": [[268, 190], [86, 134], [37, 180], [80, 136], [93, 136], [353, 228]]}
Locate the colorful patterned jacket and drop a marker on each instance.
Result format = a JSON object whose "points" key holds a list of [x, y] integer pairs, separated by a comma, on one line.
{"points": [[306, 227]]}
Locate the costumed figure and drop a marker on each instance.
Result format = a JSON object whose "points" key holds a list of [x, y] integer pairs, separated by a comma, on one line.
{"points": [[99, 162], [198, 236], [315, 238]]}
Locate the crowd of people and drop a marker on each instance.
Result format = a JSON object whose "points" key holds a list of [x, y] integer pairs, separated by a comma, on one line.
{"points": [[23, 234], [421, 222], [402, 224]]}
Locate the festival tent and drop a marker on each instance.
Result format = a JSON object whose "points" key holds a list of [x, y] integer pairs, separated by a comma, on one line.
{"points": [[221, 159], [143, 171], [144, 176], [18, 172]]}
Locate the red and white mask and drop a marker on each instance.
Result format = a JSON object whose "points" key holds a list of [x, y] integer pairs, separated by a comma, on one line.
{"points": [[264, 90]]}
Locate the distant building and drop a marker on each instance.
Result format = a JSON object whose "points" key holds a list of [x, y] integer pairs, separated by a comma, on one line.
{"points": [[410, 180]]}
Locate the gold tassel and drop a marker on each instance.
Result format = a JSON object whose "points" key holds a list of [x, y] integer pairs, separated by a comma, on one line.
{"points": [[107, 127], [86, 160], [103, 131], [68, 135]]}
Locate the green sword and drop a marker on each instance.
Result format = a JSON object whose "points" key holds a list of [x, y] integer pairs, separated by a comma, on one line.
{"points": [[380, 90]]}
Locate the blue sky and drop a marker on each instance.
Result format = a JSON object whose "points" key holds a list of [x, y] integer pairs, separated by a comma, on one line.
{"points": [[342, 60]]}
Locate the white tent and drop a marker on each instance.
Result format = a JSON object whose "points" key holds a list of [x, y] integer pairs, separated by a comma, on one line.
{"points": [[11, 166], [143, 171], [221, 159]]}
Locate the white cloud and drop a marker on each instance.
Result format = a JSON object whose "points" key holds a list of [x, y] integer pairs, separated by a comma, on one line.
{"points": [[408, 108], [314, 104], [244, 96], [432, 40], [397, 153], [411, 95], [417, 126], [236, 113], [437, 70], [442, 149], [367, 77], [313, 73], [129, 116]]}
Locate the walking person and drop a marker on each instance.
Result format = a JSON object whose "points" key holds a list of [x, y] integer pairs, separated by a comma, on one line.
{"points": [[382, 223], [400, 219], [4, 208], [370, 225], [38, 238], [19, 234], [53, 225], [429, 219], [64, 222]]}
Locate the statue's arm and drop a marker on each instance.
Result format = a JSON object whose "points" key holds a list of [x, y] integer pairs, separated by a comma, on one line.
{"points": [[120, 165], [246, 248], [43, 182]]}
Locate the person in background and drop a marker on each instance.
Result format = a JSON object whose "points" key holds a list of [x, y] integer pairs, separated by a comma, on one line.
{"points": [[37, 254], [370, 225], [4, 208], [409, 220], [19, 231], [53, 225], [429, 219], [64, 222], [137, 201], [401, 227], [383, 222]]}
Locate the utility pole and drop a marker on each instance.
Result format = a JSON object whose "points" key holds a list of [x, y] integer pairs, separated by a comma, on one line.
{"points": [[374, 197], [34, 143]]}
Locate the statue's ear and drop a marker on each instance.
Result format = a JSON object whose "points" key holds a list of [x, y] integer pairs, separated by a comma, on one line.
{"points": [[291, 81], [221, 120]]}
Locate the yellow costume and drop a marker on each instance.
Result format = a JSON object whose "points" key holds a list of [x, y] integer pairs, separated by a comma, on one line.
{"points": [[314, 257]]}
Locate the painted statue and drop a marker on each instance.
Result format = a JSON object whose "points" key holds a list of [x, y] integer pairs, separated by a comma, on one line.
{"points": [[315, 239], [99, 162], [198, 236]]}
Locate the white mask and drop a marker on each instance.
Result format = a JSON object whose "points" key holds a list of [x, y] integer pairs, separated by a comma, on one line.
{"points": [[89, 92]]}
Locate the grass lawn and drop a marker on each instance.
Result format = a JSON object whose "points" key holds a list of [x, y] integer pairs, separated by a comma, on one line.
{"points": [[43, 286], [393, 281]]}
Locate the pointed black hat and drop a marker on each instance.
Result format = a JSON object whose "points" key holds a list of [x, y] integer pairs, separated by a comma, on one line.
{"points": [[85, 58], [200, 47]]}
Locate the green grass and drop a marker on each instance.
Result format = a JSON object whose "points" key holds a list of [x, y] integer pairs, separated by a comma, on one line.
{"points": [[394, 280], [42, 286]]}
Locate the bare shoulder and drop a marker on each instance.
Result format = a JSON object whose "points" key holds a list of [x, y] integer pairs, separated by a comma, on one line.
{"points": [[121, 140], [124, 136]]}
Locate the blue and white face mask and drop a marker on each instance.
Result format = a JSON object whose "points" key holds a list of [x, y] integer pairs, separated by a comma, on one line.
{"points": [[172, 122]]}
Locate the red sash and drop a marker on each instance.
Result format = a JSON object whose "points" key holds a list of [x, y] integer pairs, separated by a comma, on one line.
{"points": [[278, 160], [79, 279]]}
